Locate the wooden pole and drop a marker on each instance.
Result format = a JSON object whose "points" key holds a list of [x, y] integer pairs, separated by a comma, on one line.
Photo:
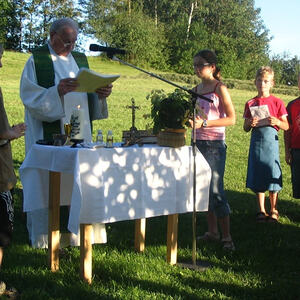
{"points": [[140, 234], [86, 250], [172, 239], [53, 220]]}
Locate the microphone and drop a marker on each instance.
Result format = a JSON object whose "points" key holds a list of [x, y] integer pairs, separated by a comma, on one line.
{"points": [[110, 51]]}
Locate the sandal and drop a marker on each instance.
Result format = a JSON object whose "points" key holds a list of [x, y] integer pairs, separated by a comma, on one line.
{"points": [[2, 287], [261, 217], [228, 245], [209, 237], [274, 217], [11, 293]]}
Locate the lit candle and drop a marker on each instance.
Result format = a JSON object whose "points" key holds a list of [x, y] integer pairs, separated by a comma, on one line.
{"points": [[77, 119]]}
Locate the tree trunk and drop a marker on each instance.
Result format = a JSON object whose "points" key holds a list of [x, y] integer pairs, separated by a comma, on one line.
{"points": [[129, 7], [190, 21], [155, 13]]}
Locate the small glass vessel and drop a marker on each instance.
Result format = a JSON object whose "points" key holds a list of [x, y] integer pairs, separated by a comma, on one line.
{"points": [[99, 139], [109, 139]]}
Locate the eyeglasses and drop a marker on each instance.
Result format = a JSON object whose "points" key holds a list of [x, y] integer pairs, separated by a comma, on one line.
{"points": [[200, 66], [66, 44]]}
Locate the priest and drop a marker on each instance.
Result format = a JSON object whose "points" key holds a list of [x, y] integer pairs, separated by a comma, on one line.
{"points": [[47, 89]]}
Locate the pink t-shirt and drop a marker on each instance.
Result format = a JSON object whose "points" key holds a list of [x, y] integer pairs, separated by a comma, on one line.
{"points": [[213, 111], [275, 105]]}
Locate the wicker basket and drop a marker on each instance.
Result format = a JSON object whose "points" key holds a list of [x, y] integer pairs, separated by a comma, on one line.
{"points": [[171, 138]]}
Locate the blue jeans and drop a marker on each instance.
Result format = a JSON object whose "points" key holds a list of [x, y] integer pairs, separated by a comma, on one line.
{"points": [[215, 154]]}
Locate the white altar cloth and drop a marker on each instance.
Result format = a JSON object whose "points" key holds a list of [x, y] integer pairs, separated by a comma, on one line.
{"points": [[115, 184]]}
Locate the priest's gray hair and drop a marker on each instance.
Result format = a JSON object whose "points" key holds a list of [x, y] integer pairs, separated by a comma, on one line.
{"points": [[57, 25]]}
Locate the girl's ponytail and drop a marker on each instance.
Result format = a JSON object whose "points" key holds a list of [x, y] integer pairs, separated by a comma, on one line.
{"points": [[217, 73]]}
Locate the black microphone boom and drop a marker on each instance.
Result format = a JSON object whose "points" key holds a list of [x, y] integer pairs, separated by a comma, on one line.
{"points": [[110, 51], [191, 92]]}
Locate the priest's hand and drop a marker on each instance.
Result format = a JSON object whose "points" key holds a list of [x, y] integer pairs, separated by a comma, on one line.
{"points": [[104, 92], [67, 85]]}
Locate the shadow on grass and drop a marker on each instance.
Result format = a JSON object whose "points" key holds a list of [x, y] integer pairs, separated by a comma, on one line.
{"points": [[39, 283], [267, 257], [267, 251], [194, 285]]}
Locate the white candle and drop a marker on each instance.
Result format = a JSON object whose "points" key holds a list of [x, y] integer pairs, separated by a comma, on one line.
{"points": [[77, 119]]}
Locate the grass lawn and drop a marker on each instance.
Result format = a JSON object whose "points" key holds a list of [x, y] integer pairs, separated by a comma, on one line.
{"points": [[265, 265]]}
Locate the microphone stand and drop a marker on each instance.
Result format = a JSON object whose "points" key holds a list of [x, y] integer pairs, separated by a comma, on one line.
{"points": [[201, 266]]}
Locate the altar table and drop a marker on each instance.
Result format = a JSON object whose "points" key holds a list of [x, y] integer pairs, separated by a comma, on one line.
{"points": [[114, 184]]}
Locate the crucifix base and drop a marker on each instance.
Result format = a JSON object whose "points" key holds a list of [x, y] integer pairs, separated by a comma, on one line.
{"points": [[139, 137], [135, 136]]}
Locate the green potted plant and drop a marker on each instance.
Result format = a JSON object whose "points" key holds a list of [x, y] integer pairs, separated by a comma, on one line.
{"points": [[170, 113]]}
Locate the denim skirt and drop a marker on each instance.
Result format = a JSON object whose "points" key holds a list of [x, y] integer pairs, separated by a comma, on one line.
{"points": [[264, 171]]}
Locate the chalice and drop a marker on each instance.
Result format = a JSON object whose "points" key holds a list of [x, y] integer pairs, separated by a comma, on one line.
{"points": [[67, 128]]}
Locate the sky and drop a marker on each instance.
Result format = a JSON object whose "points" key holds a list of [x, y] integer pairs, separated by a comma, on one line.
{"points": [[280, 17]]}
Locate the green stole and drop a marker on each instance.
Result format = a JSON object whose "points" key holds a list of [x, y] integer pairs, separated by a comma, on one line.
{"points": [[45, 77]]}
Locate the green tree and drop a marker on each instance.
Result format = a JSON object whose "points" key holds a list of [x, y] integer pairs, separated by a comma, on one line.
{"points": [[5, 9], [39, 14], [10, 23], [233, 28], [286, 68], [122, 24], [236, 32]]}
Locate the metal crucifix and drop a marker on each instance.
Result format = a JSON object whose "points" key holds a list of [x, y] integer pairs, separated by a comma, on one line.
{"points": [[133, 132], [133, 108]]}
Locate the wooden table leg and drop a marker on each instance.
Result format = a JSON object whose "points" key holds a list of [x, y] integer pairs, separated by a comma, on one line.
{"points": [[53, 220], [86, 254], [172, 239], [140, 233]]}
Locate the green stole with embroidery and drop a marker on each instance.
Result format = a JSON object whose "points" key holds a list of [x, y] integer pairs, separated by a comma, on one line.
{"points": [[45, 77]]}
